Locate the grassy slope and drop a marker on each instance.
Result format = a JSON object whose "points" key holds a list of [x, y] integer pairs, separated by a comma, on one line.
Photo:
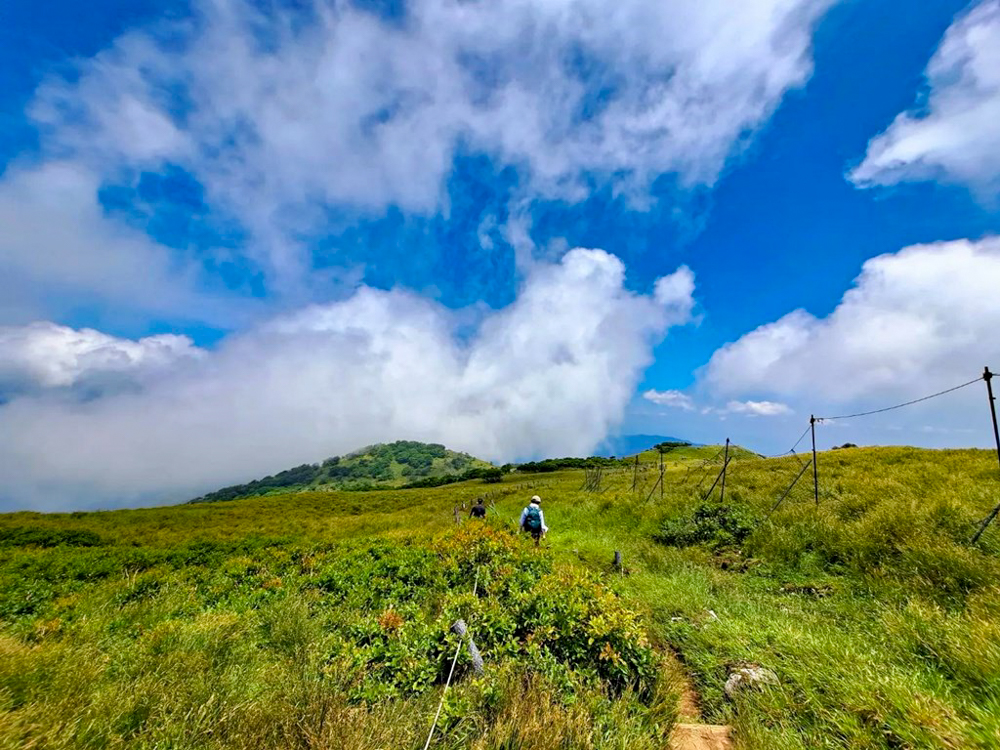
{"points": [[379, 466], [881, 623]]}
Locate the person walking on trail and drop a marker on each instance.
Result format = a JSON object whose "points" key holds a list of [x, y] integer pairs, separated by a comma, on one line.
{"points": [[478, 510], [532, 520]]}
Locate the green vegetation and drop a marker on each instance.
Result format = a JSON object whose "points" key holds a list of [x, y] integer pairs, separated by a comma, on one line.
{"points": [[556, 464], [313, 620], [670, 445], [490, 475], [320, 619], [402, 463], [717, 525]]}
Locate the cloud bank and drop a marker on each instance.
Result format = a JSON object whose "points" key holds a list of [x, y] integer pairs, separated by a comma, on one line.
{"points": [[44, 356], [953, 136], [915, 321], [551, 373]]}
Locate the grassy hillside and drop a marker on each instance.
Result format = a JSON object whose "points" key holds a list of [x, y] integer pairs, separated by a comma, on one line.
{"points": [[320, 620], [404, 462]]}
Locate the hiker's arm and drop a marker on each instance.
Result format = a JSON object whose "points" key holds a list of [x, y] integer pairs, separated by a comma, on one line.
{"points": [[541, 517], [520, 521]]}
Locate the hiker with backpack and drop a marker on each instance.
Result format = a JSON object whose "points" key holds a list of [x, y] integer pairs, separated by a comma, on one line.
{"points": [[532, 520], [478, 510]]}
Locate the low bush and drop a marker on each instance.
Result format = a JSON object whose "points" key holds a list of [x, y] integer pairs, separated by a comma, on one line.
{"points": [[43, 536], [520, 610], [714, 524], [237, 643]]}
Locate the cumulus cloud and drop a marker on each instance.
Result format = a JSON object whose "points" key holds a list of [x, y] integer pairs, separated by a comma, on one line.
{"points": [[915, 321], [676, 291], [281, 113], [757, 408], [684, 402], [551, 373], [42, 356], [672, 398], [953, 136]]}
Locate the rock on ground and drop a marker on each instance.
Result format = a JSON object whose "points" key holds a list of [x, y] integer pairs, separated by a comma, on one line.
{"points": [[749, 677]]}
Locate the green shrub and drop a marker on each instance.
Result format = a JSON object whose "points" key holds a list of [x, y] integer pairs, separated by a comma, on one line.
{"points": [[717, 525], [44, 536]]}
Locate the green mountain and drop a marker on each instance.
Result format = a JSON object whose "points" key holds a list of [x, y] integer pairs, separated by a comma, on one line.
{"points": [[404, 463]]}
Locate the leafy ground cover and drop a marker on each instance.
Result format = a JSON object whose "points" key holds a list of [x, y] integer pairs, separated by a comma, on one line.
{"points": [[321, 619], [175, 628]]}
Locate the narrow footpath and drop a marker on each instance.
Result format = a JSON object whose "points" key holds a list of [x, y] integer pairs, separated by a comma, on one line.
{"points": [[690, 734]]}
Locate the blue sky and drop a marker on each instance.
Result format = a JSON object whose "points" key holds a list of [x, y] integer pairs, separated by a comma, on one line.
{"points": [[384, 199]]}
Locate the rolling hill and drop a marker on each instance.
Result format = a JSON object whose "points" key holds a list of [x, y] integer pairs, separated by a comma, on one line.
{"points": [[410, 464], [320, 619], [398, 464]]}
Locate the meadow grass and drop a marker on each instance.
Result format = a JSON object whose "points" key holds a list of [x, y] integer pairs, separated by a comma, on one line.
{"points": [[320, 619]]}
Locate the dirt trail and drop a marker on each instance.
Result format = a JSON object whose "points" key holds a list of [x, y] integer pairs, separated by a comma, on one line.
{"points": [[689, 733], [687, 706], [700, 737]]}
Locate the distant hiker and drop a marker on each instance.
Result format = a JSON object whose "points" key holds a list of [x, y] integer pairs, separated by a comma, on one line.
{"points": [[478, 510], [532, 520]]}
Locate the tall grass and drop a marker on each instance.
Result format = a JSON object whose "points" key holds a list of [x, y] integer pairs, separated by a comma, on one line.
{"points": [[267, 642], [320, 620]]}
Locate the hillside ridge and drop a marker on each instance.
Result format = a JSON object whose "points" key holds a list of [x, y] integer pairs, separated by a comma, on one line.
{"points": [[397, 464]]}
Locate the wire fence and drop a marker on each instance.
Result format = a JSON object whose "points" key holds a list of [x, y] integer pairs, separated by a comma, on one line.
{"points": [[900, 406], [634, 476], [718, 465]]}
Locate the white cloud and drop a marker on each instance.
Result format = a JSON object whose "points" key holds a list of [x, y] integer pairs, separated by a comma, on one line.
{"points": [[954, 135], [57, 245], [677, 292], [675, 399], [680, 400], [916, 321], [758, 408], [551, 373], [44, 355], [279, 115]]}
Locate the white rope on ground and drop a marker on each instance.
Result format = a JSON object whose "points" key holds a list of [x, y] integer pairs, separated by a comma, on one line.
{"points": [[441, 704], [451, 672]]}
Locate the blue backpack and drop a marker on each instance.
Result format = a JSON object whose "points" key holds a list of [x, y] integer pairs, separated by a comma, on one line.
{"points": [[533, 520]]}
